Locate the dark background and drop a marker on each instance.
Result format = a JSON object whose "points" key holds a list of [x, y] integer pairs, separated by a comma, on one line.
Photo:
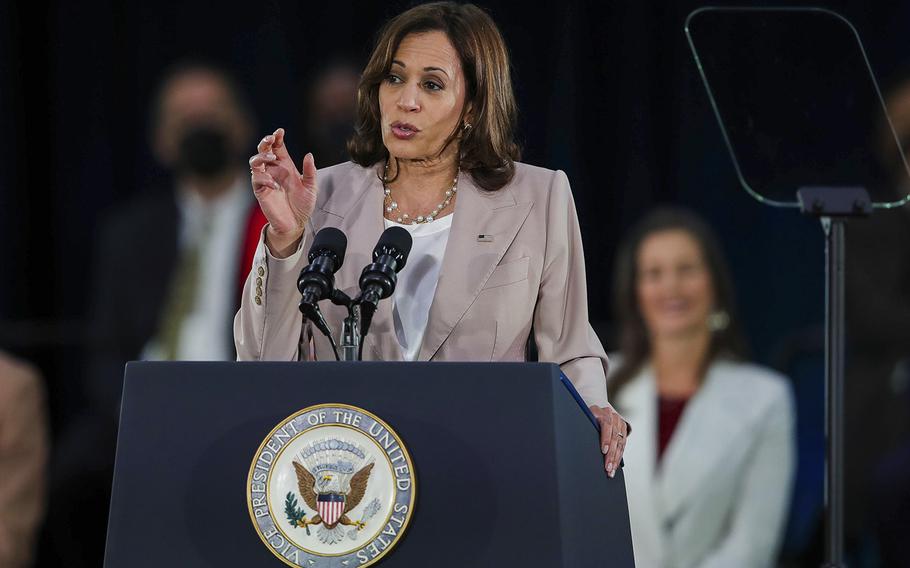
{"points": [[607, 92]]}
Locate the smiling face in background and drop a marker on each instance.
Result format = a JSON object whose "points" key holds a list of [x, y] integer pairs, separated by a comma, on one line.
{"points": [[421, 99], [674, 289]]}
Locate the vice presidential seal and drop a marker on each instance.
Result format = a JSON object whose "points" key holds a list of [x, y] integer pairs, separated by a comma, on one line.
{"points": [[332, 486]]}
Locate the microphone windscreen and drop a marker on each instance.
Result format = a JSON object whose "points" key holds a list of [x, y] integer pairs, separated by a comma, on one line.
{"points": [[394, 241], [330, 240]]}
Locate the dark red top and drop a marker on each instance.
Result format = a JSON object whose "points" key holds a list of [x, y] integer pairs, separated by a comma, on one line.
{"points": [[668, 412]]}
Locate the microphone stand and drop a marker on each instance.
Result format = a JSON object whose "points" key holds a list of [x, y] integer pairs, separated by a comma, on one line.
{"points": [[312, 313], [350, 330]]}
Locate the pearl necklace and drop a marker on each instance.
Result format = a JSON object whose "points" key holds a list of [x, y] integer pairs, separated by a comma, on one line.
{"points": [[391, 205]]}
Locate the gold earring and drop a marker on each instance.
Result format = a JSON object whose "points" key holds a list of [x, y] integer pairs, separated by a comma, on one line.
{"points": [[466, 126], [718, 320]]}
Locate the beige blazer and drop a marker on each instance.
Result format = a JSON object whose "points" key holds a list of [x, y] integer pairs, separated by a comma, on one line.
{"points": [[719, 496], [23, 457], [527, 270]]}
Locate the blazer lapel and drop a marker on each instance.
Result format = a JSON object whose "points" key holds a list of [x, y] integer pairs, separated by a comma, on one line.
{"points": [[469, 260], [706, 429], [638, 404], [362, 222]]}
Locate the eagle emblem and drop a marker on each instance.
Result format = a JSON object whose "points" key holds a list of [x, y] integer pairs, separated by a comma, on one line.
{"points": [[332, 480], [331, 486]]}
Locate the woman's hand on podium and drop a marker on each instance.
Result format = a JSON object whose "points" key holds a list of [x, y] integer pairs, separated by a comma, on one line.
{"points": [[613, 432], [287, 197]]}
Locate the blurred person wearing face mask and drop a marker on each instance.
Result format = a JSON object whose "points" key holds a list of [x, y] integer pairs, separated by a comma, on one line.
{"points": [[178, 255], [168, 270], [709, 472]]}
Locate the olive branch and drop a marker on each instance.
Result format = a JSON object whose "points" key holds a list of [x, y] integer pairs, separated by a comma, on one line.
{"points": [[294, 514]]}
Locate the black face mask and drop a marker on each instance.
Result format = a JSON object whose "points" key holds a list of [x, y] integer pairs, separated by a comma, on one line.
{"points": [[204, 152]]}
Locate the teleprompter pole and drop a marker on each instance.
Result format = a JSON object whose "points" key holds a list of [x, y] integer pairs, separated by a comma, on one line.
{"points": [[834, 390], [834, 205]]}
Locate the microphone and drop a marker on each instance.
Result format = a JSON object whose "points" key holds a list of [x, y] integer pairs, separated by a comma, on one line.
{"points": [[317, 279], [378, 279]]}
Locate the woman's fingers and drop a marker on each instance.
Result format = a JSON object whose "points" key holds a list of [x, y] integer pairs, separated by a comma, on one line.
{"points": [[612, 456], [618, 444], [620, 448], [281, 150], [274, 145], [308, 169], [613, 432], [265, 144], [278, 136], [260, 160], [273, 169], [263, 182], [606, 428]]}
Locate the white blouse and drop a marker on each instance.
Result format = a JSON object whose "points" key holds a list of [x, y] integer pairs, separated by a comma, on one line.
{"points": [[417, 282], [211, 226]]}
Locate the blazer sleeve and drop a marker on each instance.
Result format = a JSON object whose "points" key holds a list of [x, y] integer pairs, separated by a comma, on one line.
{"points": [[269, 326], [760, 511], [561, 328]]}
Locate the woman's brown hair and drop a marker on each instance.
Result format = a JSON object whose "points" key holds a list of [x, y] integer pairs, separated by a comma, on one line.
{"points": [[634, 340], [487, 149]]}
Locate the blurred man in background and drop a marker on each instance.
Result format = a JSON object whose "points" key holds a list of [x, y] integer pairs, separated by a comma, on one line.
{"points": [[23, 455], [179, 257], [170, 262], [168, 272]]}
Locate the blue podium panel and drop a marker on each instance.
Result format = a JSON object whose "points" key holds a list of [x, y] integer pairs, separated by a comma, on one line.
{"points": [[507, 465]]}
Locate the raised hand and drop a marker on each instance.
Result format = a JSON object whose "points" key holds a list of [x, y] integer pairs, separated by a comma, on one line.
{"points": [[287, 197]]}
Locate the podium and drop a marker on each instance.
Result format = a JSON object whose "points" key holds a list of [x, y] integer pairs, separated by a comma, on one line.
{"points": [[507, 465]]}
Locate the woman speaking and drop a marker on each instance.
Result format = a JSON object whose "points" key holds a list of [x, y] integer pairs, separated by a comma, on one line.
{"points": [[497, 253]]}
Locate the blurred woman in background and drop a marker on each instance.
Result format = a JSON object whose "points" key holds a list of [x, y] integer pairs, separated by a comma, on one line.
{"points": [[709, 472]]}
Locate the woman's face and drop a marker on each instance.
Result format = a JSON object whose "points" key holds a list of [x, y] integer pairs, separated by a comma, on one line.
{"points": [[675, 294], [421, 99]]}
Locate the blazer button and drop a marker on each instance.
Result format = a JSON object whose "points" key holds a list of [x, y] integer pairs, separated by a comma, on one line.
{"points": [[258, 281], [258, 291], [261, 271], [258, 301]]}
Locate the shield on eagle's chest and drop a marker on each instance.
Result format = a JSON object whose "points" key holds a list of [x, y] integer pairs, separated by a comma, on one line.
{"points": [[330, 507]]}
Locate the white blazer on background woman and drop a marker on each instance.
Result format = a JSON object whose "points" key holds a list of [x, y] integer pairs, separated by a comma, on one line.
{"points": [[718, 497]]}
